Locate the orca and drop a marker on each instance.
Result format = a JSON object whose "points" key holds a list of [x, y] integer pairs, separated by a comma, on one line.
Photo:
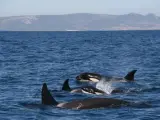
{"points": [[94, 77], [85, 89], [88, 103]]}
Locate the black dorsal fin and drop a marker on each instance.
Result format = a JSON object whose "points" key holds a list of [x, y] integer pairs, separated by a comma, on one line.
{"points": [[47, 98], [130, 75], [66, 85]]}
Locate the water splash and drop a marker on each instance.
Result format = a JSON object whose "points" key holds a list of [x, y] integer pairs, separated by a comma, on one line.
{"points": [[126, 87], [105, 86]]}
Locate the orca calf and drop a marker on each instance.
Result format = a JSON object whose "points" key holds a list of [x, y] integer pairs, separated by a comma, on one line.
{"points": [[94, 77], [90, 103], [85, 89]]}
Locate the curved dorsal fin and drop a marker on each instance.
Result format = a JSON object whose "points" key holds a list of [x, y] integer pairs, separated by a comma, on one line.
{"points": [[47, 98], [130, 75], [66, 86]]}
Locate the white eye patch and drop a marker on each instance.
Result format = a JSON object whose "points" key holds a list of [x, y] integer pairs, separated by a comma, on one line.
{"points": [[90, 75]]}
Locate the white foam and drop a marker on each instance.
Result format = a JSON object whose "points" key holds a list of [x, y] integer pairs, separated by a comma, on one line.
{"points": [[105, 86]]}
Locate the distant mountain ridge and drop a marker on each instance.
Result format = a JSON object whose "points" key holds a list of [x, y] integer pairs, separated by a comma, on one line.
{"points": [[80, 22]]}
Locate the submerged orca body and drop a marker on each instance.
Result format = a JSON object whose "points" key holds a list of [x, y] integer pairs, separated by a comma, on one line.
{"points": [[85, 89], [90, 103], [94, 77]]}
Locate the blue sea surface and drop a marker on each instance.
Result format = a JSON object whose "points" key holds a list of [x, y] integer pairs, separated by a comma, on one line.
{"points": [[28, 59]]}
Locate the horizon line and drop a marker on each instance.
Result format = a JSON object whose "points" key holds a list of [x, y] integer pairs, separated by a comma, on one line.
{"points": [[80, 13]]}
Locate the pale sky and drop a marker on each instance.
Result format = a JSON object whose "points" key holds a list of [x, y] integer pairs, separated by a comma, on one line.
{"points": [[52, 7]]}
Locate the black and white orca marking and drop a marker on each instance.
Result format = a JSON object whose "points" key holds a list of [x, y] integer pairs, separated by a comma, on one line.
{"points": [[85, 89], [94, 77], [86, 77], [89, 103]]}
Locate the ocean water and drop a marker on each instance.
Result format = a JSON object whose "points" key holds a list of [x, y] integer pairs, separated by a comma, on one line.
{"points": [[28, 59]]}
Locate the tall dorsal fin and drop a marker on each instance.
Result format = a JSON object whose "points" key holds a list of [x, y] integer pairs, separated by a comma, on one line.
{"points": [[47, 98], [66, 86], [130, 75]]}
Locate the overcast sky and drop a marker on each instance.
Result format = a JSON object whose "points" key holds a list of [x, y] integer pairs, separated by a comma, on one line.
{"points": [[51, 7]]}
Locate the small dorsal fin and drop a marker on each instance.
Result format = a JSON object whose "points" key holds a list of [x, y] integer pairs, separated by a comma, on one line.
{"points": [[66, 85], [130, 75], [47, 98]]}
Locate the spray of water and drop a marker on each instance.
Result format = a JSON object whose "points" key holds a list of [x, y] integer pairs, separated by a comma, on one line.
{"points": [[105, 86]]}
